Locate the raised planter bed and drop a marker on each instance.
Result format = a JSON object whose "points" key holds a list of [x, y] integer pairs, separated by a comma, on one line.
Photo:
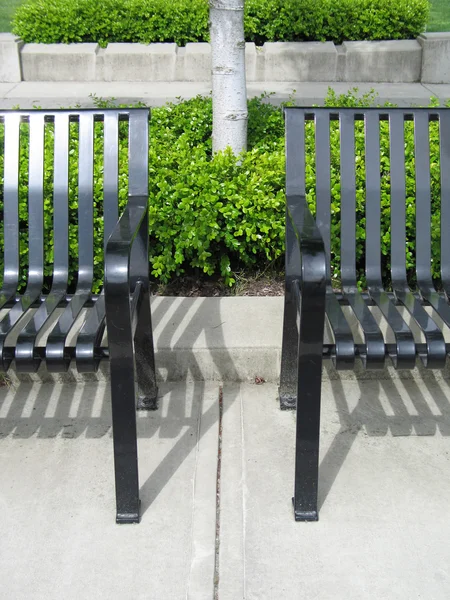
{"points": [[426, 59]]}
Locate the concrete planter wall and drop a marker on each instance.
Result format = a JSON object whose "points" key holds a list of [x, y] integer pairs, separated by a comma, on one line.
{"points": [[426, 59]]}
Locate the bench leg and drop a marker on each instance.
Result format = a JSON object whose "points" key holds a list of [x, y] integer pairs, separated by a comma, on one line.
{"points": [[123, 400], [289, 353], [145, 357], [307, 437]]}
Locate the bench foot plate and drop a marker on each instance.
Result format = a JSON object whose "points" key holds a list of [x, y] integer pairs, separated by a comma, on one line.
{"points": [[127, 518], [288, 401], [305, 515], [147, 403]]}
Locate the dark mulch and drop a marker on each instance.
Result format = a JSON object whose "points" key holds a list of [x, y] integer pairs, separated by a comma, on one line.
{"points": [[246, 285]]}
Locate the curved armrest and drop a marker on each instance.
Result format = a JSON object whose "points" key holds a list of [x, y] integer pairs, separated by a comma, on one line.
{"points": [[120, 243], [311, 245]]}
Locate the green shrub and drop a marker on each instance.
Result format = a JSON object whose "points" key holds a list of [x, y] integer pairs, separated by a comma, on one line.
{"points": [[144, 21], [213, 215], [182, 21]]}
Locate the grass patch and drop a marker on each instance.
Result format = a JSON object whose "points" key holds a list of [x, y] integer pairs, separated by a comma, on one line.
{"points": [[7, 9], [439, 16]]}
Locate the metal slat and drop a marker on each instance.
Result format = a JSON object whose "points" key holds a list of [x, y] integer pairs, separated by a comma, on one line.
{"points": [[11, 209], [348, 200], [61, 202], [344, 357], [444, 138], [403, 353], [398, 197], [138, 153], [374, 356], [26, 357], [423, 217], [36, 202], [373, 199], [57, 359], [436, 355], [323, 181], [90, 337], [92, 330], [110, 174], [295, 153], [85, 203], [35, 239], [423, 202]]}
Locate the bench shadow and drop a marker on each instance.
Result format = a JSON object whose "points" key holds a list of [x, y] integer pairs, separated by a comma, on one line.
{"points": [[404, 411], [48, 410]]}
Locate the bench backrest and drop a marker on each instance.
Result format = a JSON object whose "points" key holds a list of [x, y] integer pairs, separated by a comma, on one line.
{"points": [[354, 164], [45, 142]]}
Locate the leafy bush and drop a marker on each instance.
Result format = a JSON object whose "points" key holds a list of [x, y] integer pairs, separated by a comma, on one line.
{"points": [[214, 215], [144, 21], [207, 214], [182, 21], [334, 20]]}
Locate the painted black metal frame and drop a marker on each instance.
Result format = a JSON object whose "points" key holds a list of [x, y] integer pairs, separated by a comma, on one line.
{"points": [[123, 305], [309, 296]]}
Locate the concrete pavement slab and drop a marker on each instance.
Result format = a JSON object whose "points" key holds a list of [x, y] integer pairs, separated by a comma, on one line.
{"points": [[65, 94], [59, 538], [234, 338], [440, 91], [5, 88], [383, 491]]}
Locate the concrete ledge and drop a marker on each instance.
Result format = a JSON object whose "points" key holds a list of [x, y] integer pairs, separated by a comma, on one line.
{"points": [[10, 67], [193, 63], [136, 62], [390, 62], [59, 62], [234, 339], [404, 61], [300, 61], [435, 57]]}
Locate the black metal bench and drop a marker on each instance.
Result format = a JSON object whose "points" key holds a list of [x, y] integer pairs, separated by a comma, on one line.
{"points": [[310, 298], [123, 305]]}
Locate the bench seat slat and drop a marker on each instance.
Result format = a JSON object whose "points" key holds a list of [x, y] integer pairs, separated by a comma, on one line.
{"points": [[374, 356], [444, 139], [423, 201], [348, 199], [344, 344], [440, 304], [36, 202], [26, 359], [11, 210], [56, 358], [90, 336], [373, 200], [110, 174], [404, 355], [436, 356], [85, 203], [398, 197], [323, 182], [61, 204]]}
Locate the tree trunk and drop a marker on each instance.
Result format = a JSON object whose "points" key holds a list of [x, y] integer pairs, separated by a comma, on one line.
{"points": [[229, 90]]}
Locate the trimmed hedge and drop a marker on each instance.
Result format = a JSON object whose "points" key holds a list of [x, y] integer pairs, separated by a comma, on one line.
{"points": [[213, 215], [182, 21]]}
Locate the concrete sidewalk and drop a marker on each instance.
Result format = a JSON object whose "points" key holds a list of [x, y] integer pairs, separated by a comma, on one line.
{"points": [[57, 95], [384, 521]]}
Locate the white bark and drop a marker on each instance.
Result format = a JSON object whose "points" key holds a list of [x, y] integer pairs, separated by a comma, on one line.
{"points": [[229, 90]]}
